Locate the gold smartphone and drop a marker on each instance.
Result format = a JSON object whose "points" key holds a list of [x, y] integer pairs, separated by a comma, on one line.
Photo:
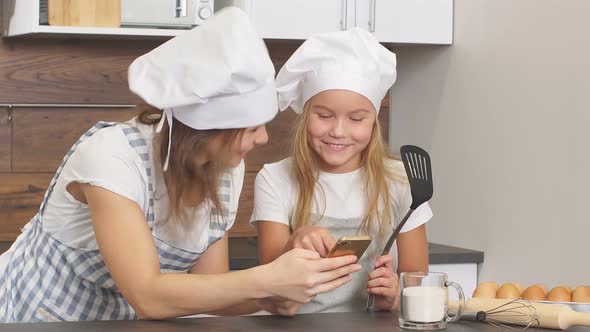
{"points": [[350, 245]]}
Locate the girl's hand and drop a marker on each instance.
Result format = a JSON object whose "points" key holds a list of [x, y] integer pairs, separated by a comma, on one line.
{"points": [[280, 306], [299, 275], [313, 238], [384, 283]]}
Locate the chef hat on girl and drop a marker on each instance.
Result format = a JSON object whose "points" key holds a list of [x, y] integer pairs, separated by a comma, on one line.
{"points": [[216, 76], [349, 60]]}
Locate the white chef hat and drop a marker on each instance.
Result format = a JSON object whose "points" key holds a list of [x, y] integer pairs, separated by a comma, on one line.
{"points": [[216, 76], [348, 60]]}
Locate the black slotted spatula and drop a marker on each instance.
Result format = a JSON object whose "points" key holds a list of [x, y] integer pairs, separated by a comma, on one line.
{"points": [[418, 169]]}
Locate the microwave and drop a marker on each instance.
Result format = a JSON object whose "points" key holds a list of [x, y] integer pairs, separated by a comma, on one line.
{"points": [[165, 13]]}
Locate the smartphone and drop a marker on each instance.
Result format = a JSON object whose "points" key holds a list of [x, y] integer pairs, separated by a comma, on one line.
{"points": [[350, 245]]}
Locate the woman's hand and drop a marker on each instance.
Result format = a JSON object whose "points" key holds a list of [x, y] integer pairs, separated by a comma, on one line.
{"points": [[384, 283], [300, 274], [313, 238], [280, 306]]}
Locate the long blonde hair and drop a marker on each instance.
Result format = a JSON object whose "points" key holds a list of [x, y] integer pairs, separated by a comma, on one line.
{"points": [[188, 184], [374, 159]]}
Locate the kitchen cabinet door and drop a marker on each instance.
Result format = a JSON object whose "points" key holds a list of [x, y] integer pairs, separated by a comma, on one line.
{"points": [[41, 137], [407, 21], [296, 19], [20, 198]]}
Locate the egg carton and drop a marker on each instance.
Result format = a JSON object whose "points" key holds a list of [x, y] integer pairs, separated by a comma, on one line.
{"points": [[576, 306]]}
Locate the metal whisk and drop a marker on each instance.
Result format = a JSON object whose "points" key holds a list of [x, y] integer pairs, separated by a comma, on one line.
{"points": [[516, 312]]}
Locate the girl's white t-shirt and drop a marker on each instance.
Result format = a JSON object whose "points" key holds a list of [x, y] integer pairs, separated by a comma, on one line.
{"points": [[107, 160], [342, 204]]}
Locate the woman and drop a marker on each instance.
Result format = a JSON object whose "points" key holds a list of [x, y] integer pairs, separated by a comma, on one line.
{"points": [[134, 223], [340, 179]]}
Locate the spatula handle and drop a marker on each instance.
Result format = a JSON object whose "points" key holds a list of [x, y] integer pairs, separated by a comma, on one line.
{"points": [[393, 236], [371, 300]]}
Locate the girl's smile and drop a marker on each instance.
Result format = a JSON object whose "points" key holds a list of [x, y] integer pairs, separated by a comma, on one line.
{"points": [[339, 128]]}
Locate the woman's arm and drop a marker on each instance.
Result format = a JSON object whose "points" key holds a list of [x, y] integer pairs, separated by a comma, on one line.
{"points": [[127, 245], [273, 240], [216, 260], [412, 250]]}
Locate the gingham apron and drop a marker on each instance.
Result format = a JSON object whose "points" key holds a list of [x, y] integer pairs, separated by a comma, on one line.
{"points": [[47, 280]]}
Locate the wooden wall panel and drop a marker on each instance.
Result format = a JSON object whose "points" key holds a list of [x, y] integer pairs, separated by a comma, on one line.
{"points": [[241, 227], [5, 141], [42, 137], [279, 137], [20, 197], [67, 70]]}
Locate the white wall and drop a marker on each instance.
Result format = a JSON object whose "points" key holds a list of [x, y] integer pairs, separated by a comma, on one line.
{"points": [[505, 114]]}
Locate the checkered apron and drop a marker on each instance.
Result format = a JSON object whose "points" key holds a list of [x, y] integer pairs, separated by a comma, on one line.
{"points": [[47, 280]]}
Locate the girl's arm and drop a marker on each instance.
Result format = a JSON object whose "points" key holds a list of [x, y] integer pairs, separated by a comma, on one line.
{"points": [[412, 250], [126, 243], [274, 239]]}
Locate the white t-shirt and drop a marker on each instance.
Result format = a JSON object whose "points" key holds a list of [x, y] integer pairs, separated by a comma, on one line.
{"points": [[107, 160], [343, 208]]}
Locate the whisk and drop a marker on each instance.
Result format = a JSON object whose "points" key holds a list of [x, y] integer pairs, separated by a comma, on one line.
{"points": [[503, 313], [514, 312]]}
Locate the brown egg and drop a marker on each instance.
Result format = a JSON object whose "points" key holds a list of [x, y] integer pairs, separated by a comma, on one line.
{"points": [[518, 287], [581, 294], [507, 291], [559, 294], [543, 287], [534, 293], [568, 288], [490, 284], [486, 290]]}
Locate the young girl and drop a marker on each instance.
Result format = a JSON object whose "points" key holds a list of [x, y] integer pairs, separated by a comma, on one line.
{"points": [[340, 180], [134, 223]]}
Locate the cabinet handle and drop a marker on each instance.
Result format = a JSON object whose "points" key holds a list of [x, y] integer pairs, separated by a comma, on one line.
{"points": [[344, 15], [10, 106], [9, 111], [180, 8], [373, 16]]}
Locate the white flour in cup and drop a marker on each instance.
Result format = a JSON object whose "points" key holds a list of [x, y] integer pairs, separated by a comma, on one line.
{"points": [[423, 304]]}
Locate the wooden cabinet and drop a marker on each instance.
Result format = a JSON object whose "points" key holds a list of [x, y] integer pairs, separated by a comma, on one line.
{"points": [[392, 21], [20, 198], [41, 137]]}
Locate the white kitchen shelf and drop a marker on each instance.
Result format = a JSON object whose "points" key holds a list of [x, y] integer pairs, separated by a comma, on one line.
{"points": [[392, 21], [21, 18], [59, 30]]}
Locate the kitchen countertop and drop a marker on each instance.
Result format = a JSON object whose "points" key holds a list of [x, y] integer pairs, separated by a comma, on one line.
{"points": [[243, 253], [340, 322]]}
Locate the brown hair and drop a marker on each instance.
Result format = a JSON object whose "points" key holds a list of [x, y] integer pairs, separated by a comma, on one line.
{"points": [[374, 157], [187, 183]]}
